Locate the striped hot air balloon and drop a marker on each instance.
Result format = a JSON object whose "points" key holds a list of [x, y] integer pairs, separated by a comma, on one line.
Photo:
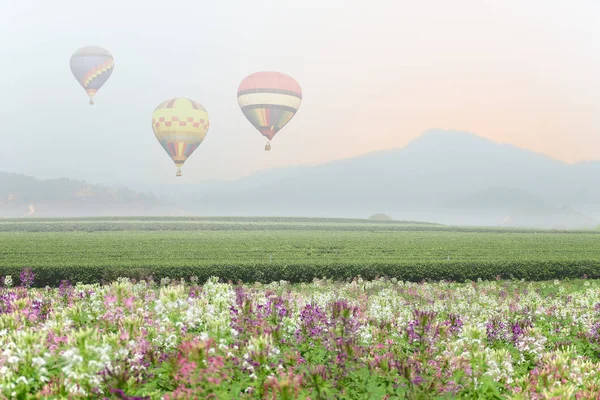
{"points": [[180, 125], [92, 66], [269, 100]]}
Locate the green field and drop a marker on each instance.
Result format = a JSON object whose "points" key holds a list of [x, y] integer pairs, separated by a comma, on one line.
{"points": [[289, 248]]}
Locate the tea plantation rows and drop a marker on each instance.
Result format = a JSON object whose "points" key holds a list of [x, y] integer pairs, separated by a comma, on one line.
{"points": [[91, 250]]}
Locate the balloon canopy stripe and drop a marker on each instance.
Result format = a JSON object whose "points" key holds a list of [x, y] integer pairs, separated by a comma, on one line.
{"points": [[171, 123], [270, 99], [265, 90], [178, 149], [268, 121], [269, 80], [91, 51], [269, 107], [104, 69]]}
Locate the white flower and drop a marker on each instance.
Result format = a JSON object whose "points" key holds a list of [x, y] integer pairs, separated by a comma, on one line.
{"points": [[38, 361], [12, 360], [22, 379]]}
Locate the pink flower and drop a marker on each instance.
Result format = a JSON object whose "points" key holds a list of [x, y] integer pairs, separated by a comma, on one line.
{"points": [[129, 302], [109, 299]]}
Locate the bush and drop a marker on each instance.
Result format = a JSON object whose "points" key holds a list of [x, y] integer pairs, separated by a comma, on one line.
{"points": [[380, 217], [296, 273]]}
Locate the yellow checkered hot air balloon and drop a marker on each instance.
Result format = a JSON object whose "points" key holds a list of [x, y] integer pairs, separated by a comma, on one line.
{"points": [[180, 125]]}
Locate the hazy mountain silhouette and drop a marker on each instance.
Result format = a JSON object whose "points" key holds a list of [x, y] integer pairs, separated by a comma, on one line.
{"points": [[442, 176]]}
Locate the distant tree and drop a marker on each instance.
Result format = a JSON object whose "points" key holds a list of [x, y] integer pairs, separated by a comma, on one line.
{"points": [[380, 217]]}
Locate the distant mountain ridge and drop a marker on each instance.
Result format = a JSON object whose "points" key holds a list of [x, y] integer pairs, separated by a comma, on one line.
{"points": [[22, 195], [442, 176], [439, 173]]}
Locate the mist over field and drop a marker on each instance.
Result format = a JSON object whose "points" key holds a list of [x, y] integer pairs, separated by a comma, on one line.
{"points": [[443, 176]]}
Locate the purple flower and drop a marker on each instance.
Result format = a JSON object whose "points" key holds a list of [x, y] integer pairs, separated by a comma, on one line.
{"points": [[417, 380], [6, 302], [313, 323], [421, 327], [65, 288], [518, 329], [454, 323], [496, 330], [594, 334], [26, 277]]}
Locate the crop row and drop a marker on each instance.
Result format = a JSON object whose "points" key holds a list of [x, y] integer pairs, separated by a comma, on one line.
{"points": [[266, 225], [299, 256], [297, 273]]}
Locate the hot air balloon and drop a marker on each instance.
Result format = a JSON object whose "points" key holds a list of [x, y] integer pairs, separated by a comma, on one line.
{"points": [[269, 100], [180, 125], [92, 66]]}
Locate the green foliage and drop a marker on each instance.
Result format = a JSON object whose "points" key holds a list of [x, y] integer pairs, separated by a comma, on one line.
{"points": [[295, 250]]}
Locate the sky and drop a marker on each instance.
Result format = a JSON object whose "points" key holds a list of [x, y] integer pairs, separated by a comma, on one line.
{"points": [[374, 74]]}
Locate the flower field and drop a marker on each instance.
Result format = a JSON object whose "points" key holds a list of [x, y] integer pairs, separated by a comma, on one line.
{"points": [[355, 340]]}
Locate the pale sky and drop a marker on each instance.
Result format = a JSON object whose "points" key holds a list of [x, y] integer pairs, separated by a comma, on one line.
{"points": [[374, 74]]}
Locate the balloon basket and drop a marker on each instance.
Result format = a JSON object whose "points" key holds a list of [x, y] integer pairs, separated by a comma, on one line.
{"points": [[268, 147]]}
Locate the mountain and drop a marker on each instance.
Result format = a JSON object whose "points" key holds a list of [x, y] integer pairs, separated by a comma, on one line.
{"points": [[21, 195], [499, 198], [442, 176]]}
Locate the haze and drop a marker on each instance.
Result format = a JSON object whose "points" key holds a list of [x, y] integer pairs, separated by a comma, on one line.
{"points": [[374, 74]]}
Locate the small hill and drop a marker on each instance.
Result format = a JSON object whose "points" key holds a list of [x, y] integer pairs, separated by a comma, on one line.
{"points": [[24, 196]]}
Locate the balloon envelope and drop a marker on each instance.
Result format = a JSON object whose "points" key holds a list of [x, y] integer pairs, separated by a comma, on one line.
{"points": [[92, 66], [180, 125], [269, 100]]}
